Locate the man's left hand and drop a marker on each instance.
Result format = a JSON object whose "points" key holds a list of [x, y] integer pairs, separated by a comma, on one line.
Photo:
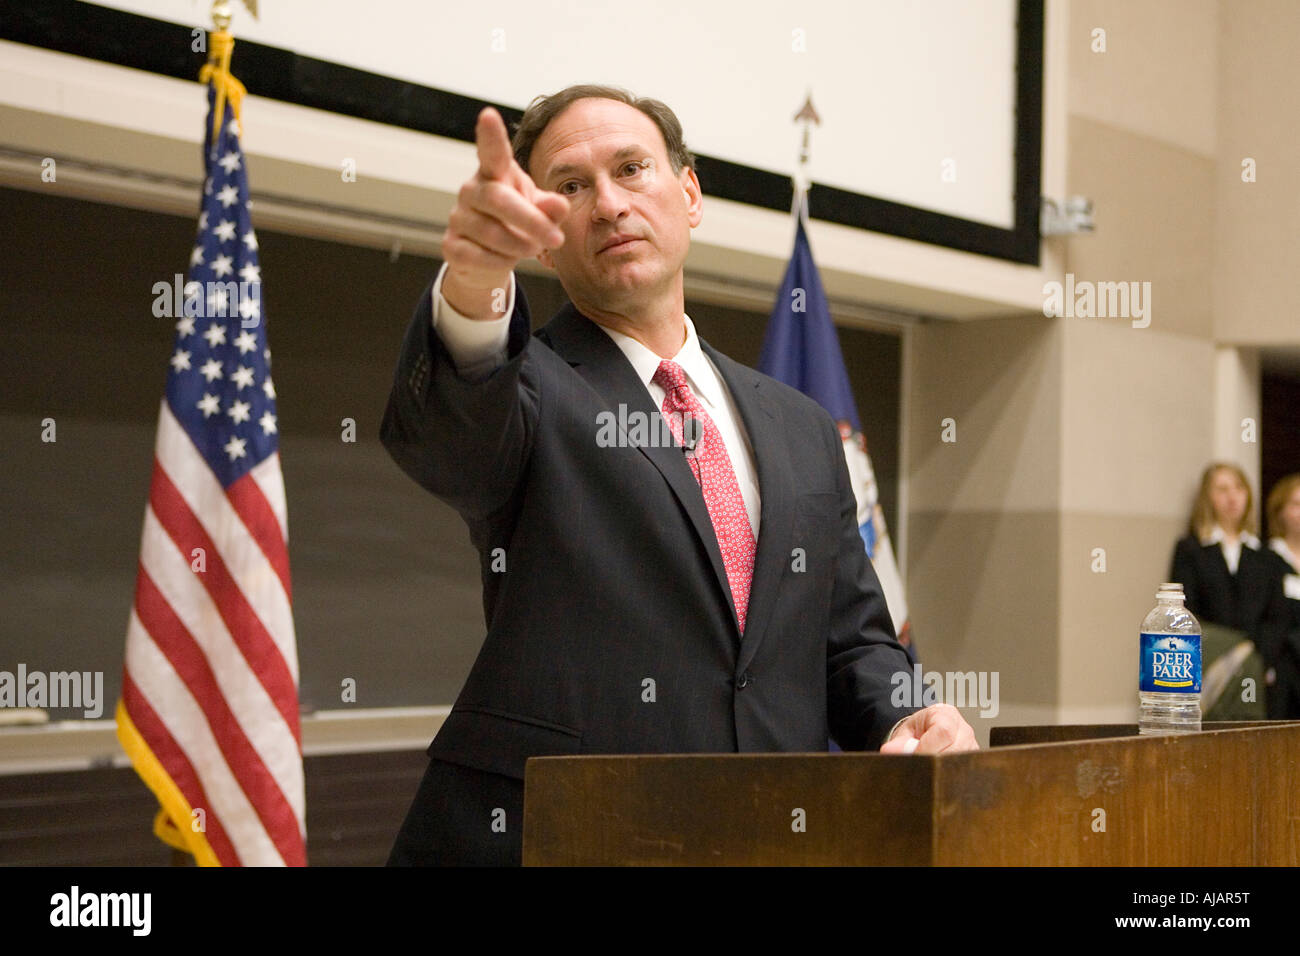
{"points": [[938, 729]]}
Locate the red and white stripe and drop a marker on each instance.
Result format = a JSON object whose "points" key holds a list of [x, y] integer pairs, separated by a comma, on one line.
{"points": [[211, 676]]}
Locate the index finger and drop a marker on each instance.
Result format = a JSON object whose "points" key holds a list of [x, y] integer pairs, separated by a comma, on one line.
{"points": [[494, 153]]}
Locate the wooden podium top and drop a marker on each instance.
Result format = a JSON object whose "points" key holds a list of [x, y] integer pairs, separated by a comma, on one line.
{"points": [[1088, 796]]}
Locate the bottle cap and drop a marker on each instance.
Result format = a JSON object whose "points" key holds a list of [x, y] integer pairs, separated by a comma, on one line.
{"points": [[1170, 591]]}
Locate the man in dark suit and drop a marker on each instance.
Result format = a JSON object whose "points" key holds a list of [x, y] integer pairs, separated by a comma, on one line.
{"points": [[669, 546]]}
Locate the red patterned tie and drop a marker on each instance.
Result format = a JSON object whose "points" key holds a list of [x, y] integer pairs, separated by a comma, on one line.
{"points": [[712, 468]]}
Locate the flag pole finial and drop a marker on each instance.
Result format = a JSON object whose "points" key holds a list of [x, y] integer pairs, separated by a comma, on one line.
{"points": [[221, 13], [806, 116]]}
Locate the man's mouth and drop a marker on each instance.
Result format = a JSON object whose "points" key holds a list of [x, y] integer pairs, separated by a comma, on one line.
{"points": [[619, 243]]}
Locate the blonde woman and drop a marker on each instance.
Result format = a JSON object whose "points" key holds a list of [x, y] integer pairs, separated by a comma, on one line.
{"points": [[1283, 511], [1225, 575]]}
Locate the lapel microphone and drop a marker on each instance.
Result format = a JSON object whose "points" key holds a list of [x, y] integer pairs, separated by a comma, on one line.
{"points": [[692, 432]]}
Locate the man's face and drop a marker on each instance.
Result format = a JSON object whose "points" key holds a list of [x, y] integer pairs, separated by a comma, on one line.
{"points": [[611, 162]]}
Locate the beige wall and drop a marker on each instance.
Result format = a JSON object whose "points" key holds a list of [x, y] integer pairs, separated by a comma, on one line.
{"points": [[983, 537], [1080, 440], [1257, 228], [1237, 403]]}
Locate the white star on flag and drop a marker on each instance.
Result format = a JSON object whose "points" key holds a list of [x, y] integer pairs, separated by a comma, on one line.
{"points": [[250, 240], [243, 377], [211, 370], [238, 412], [246, 342], [225, 230], [185, 327], [251, 273], [268, 388], [196, 257], [249, 309], [235, 448], [267, 421], [209, 405], [229, 195], [221, 266], [229, 162], [216, 335], [180, 361]]}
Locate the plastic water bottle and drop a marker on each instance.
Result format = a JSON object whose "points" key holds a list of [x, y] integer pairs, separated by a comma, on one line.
{"points": [[1169, 687]]}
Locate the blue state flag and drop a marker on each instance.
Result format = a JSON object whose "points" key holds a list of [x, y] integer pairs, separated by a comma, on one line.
{"points": [[802, 349]]}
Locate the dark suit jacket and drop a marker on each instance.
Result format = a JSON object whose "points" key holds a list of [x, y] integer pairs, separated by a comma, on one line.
{"points": [[613, 576], [1250, 600], [1284, 699]]}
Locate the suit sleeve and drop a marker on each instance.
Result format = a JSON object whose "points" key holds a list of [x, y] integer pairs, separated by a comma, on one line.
{"points": [[1275, 620], [465, 439], [862, 653]]}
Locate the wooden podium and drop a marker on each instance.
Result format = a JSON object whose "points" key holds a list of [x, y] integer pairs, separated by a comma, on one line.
{"points": [[1039, 796]]}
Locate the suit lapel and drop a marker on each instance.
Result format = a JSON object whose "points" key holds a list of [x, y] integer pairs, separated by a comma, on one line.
{"points": [[601, 363]]}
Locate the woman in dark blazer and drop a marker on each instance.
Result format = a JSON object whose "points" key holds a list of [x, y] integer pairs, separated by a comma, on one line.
{"points": [[1227, 578], [1284, 550]]}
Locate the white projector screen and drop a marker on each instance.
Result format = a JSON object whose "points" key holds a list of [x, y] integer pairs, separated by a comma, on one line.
{"points": [[917, 99]]}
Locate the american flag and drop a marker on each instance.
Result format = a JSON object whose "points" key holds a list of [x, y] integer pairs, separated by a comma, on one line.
{"points": [[209, 708]]}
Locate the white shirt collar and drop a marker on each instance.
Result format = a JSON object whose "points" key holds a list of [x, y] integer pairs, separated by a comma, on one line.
{"points": [[1280, 546], [1216, 536], [690, 357]]}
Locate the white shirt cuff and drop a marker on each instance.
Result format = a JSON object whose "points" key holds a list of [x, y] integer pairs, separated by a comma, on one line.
{"points": [[476, 346]]}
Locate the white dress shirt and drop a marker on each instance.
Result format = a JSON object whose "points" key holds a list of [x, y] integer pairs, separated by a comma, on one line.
{"points": [[479, 345], [1231, 550]]}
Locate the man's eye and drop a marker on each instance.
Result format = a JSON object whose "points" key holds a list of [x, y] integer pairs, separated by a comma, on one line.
{"points": [[635, 165], [563, 188]]}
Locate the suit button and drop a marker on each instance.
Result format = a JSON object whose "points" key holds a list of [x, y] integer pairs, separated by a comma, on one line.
{"points": [[743, 681]]}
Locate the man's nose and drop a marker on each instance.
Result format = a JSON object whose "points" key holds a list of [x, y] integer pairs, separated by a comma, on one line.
{"points": [[611, 202]]}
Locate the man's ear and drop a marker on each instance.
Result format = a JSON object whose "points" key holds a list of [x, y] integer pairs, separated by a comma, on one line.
{"points": [[693, 196]]}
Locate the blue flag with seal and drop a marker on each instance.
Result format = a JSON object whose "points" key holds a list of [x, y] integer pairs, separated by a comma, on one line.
{"points": [[802, 349]]}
